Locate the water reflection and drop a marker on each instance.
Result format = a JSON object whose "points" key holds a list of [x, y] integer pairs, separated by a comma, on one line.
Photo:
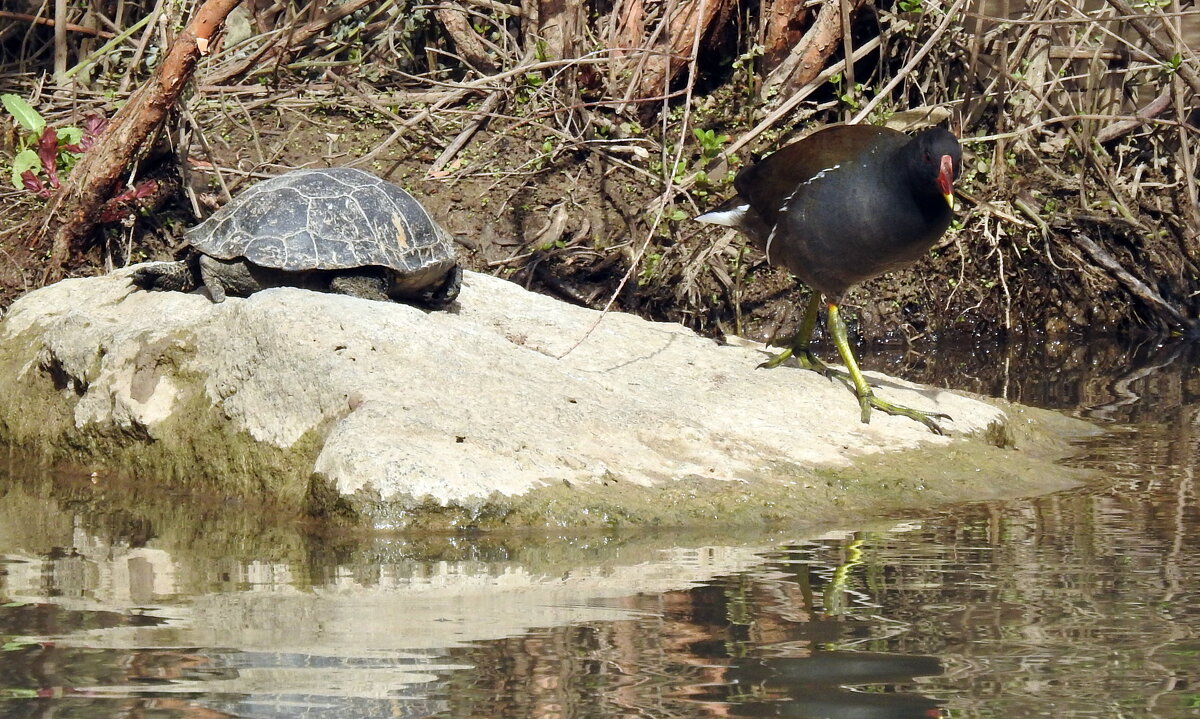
{"points": [[1079, 604], [1103, 379]]}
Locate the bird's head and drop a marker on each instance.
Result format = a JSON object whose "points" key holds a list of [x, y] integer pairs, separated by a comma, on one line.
{"points": [[942, 155]]}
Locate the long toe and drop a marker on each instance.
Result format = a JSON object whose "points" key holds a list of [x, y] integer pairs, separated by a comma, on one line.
{"points": [[926, 418], [809, 361], [776, 360]]}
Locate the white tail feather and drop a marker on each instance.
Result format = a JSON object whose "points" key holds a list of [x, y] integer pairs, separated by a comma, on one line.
{"points": [[731, 217]]}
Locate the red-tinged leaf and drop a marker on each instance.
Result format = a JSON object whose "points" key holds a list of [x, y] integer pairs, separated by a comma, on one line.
{"points": [[47, 151], [126, 202], [32, 182], [145, 188], [93, 127], [47, 148], [35, 184]]}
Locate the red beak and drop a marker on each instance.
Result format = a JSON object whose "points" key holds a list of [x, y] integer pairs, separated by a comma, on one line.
{"points": [[945, 179]]}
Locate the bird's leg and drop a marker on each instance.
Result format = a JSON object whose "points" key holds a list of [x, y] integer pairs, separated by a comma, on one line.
{"points": [[800, 344], [866, 397]]}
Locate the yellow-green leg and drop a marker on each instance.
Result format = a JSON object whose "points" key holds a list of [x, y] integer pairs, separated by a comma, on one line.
{"points": [[800, 343], [867, 398]]}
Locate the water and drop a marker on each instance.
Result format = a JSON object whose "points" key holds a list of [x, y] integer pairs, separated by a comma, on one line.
{"points": [[1079, 604]]}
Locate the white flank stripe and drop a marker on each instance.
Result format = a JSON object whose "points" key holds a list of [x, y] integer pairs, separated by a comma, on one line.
{"points": [[809, 181]]}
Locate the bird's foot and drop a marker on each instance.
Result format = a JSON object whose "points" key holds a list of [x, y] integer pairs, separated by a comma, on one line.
{"points": [[777, 360], [806, 360], [869, 401]]}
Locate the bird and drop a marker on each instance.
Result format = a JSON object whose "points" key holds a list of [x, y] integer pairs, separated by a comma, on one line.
{"points": [[843, 205]]}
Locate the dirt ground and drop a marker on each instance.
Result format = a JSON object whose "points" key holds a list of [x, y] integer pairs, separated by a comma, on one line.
{"points": [[586, 227], [572, 225]]}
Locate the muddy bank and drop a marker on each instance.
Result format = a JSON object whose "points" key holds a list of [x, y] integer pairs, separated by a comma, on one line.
{"points": [[510, 409]]}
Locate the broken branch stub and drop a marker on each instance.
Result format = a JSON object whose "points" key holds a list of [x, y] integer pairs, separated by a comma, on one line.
{"points": [[129, 136]]}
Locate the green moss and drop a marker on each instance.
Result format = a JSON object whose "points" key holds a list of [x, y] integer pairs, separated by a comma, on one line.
{"points": [[178, 452]]}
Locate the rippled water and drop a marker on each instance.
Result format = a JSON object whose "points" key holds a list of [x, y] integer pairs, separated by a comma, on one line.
{"points": [[1078, 604]]}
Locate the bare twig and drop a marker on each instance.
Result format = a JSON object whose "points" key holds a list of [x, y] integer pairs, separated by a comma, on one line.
{"points": [[489, 106], [71, 27], [665, 197], [928, 45], [1136, 287]]}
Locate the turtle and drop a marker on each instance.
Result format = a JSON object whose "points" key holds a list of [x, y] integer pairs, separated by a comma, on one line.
{"points": [[334, 229]]}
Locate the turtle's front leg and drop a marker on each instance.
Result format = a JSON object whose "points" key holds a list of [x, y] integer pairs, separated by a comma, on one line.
{"points": [[162, 276], [227, 277]]}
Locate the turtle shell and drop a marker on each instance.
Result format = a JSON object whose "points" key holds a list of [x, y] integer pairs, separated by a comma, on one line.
{"points": [[325, 219]]}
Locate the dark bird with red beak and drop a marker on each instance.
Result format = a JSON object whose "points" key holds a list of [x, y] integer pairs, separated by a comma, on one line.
{"points": [[841, 206]]}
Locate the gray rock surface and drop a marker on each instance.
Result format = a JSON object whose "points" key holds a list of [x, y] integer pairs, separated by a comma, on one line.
{"points": [[506, 393]]}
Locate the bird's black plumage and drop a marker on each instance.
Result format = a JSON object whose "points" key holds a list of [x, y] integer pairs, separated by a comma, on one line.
{"points": [[847, 203], [843, 205]]}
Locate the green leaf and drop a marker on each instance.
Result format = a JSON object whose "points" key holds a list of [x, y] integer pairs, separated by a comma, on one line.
{"points": [[70, 135], [28, 117], [24, 160]]}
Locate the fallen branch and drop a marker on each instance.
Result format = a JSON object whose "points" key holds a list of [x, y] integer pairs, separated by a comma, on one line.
{"points": [[481, 116], [1124, 127], [127, 139], [667, 50], [468, 42], [809, 56], [284, 44]]}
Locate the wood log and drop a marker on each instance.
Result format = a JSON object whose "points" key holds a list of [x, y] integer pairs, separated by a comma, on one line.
{"points": [[458, 26], [809, 56], [669, 51], [76, 208]]}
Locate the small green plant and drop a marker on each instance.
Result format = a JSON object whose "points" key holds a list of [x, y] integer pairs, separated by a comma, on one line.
{"points": [[910, 6], [649, 267], [746, 59], [851, 96], [710, 144], [45, 153], [42, 151]]}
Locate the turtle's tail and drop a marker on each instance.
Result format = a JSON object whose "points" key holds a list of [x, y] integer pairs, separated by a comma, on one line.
{"points": [[178, 276]]}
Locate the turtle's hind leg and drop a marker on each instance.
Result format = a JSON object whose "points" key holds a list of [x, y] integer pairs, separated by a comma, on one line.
{"points": [[174, 276], [445, 292]]}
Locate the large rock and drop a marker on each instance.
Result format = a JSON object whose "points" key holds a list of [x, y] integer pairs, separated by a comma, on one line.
{"points": [[512, 407]]}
